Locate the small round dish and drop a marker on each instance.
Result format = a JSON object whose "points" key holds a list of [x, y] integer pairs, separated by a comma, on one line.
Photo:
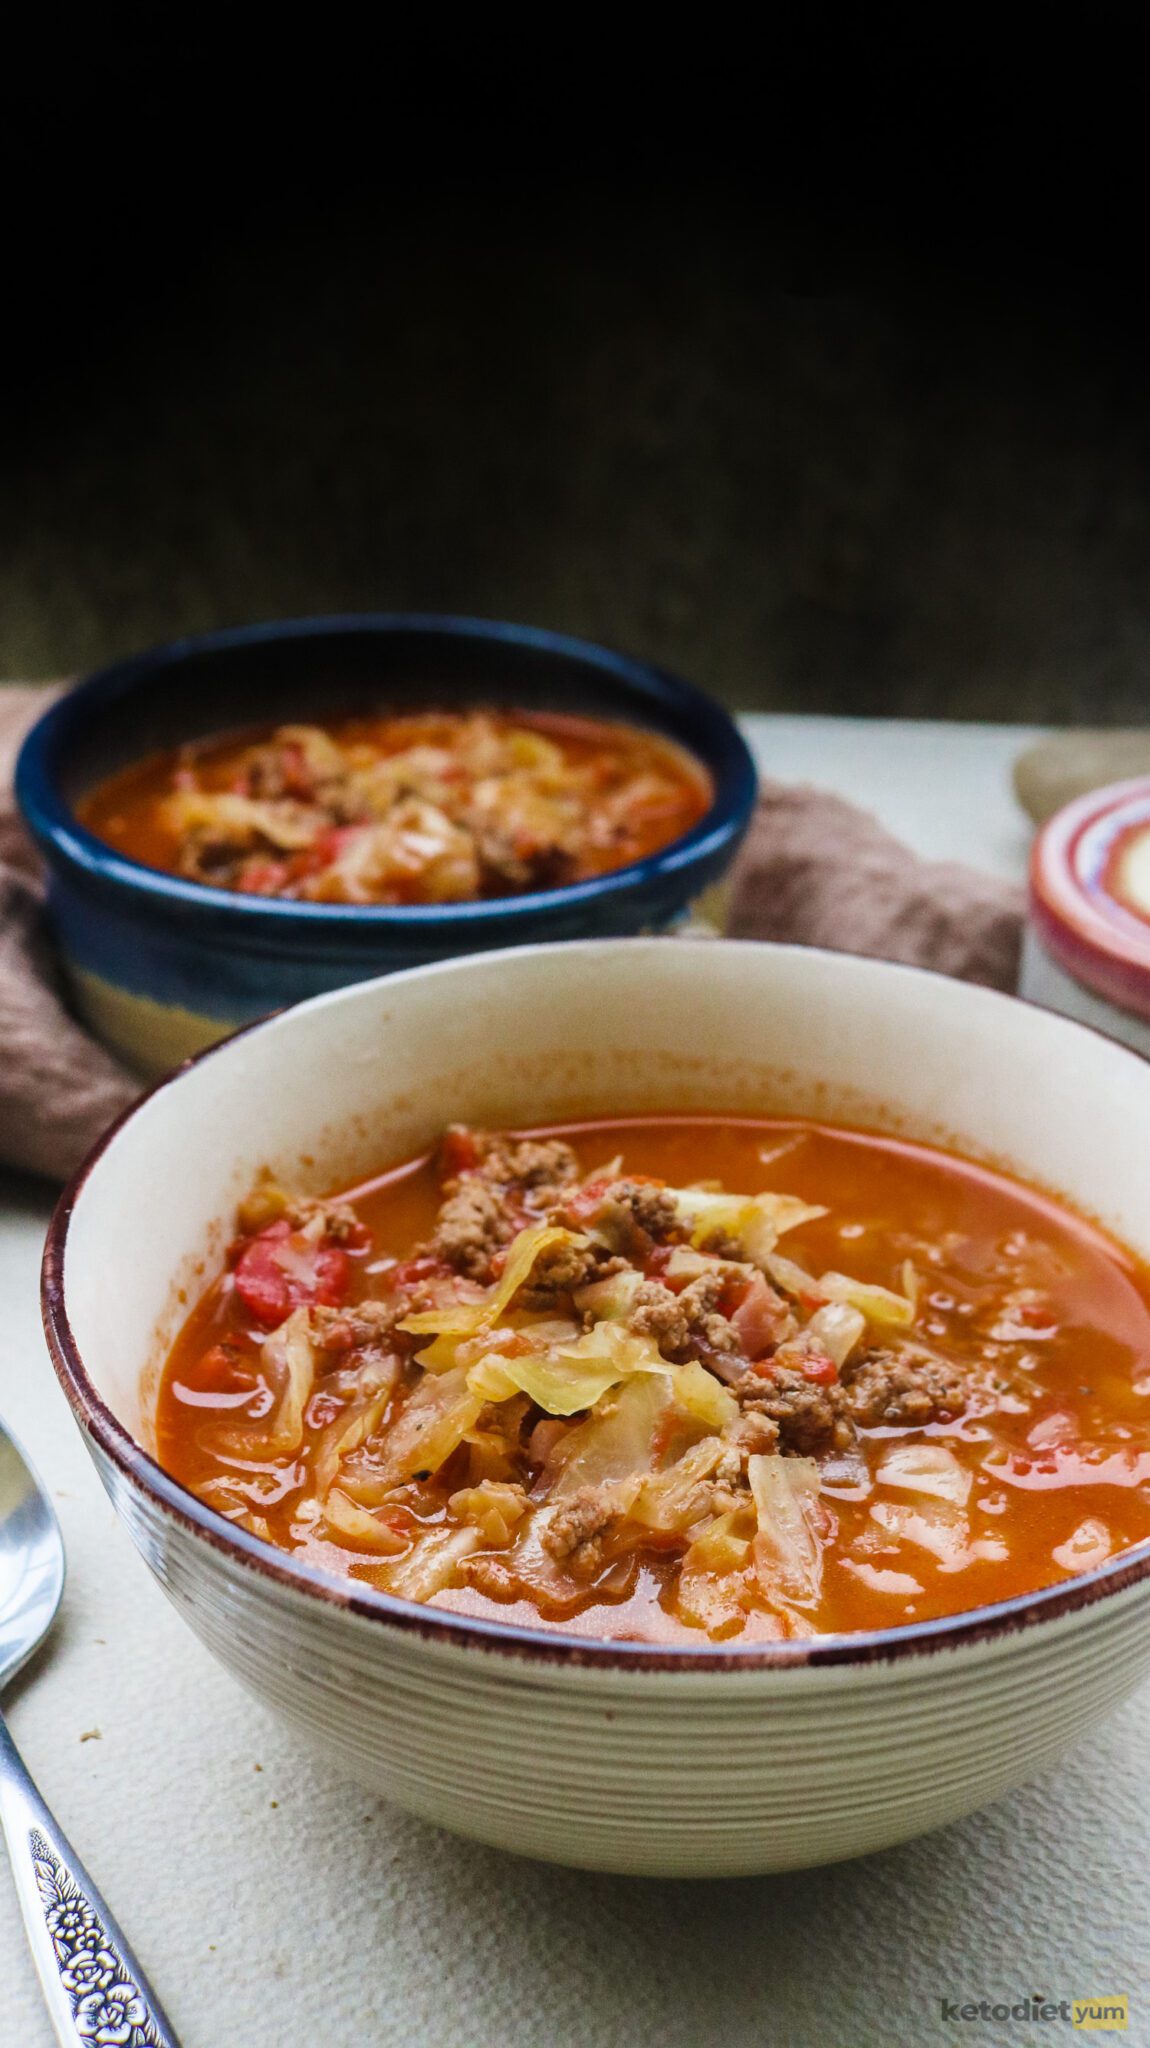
{"points": [[161, 966], [1087, 945], [614, 1755]]}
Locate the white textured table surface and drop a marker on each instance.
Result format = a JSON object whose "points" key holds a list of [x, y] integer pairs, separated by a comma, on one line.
{"points": [[274, 1904]]}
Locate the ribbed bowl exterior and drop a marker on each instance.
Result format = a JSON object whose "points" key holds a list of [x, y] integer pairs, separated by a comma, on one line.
{"points": [[642, 1758], [685, 1773]]}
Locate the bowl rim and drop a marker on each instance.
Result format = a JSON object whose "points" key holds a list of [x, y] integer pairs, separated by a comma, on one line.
{"points": [[718, 746], [527, 1644]]}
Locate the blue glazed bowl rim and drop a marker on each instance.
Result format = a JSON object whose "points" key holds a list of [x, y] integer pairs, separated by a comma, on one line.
{"points": [[717, 743]]}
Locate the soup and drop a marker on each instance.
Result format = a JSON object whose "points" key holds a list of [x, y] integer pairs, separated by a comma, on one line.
{"points": [[436, 807], [577, 1378]]}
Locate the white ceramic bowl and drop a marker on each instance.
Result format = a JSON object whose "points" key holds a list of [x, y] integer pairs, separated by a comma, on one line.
{"points": [[618, 1757]]}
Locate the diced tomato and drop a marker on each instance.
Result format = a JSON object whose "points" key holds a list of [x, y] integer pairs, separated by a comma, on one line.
{"points": [[281, 1270], [458, 1154], [580, 1205], [414, 1272], [757, 1317], [818, 1367]]}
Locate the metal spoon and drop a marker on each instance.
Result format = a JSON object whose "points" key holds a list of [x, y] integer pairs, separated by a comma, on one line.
{"points": [[95, 1989]]}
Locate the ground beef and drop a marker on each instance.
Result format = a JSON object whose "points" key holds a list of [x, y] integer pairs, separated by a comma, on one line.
{"points": [[688, 1325], [559, 1270], [369, 1324], [811, 1419], [635, 1216], [908, 1387], [341, 1225], [754, 1435], [576, 1531], [539, 1166], [472, 1226]]}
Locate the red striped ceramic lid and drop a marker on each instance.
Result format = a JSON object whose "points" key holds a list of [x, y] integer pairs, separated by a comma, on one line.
{"points": [[1090, 892]]}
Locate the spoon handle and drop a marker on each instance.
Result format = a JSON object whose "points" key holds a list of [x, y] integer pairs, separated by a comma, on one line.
{"points": [[94, 1987]]}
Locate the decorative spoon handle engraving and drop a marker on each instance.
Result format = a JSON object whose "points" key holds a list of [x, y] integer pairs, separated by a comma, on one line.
{"points": [[96, 1992]]}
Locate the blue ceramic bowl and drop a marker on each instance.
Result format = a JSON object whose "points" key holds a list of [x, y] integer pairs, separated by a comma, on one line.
{"points": [[161, 966]]}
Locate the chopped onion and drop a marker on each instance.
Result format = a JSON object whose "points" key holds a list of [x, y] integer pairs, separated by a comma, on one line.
{"points": [[926, 1468]]}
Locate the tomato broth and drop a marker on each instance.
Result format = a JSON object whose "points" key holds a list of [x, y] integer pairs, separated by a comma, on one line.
{"points": [[882, 1385]]}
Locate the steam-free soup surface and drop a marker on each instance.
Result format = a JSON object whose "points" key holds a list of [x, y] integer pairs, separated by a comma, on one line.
{"points": [[674, 1380], [435, 807]]}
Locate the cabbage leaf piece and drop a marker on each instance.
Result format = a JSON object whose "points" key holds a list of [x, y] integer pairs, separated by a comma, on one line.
{"points": [[433, 1421], [467, 1318], [788, 1548], [566, 1377], [620, 1445], [926, 1468], [756, 1221], [288, 1357], [877, 1304]]}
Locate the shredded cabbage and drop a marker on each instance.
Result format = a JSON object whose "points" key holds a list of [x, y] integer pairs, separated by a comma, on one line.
{"points": [[711, 1588], [838, 1329], [434, 1420], [788, 1547], [349, 1431], [353, 1524], [430, 1564], [937, 1526], [466, 1318], [289, 1359], [619, 1445], [701, 1396], [669, 1501], [877, 1304], [610, 1300], [926, 1468], [569, 1376], [757, 1221]]}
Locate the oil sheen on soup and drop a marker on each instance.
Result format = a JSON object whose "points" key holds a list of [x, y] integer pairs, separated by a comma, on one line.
{"points": [[673, 1381]]}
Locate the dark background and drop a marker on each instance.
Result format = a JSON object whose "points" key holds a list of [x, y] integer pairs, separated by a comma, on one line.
{"points": [[817, 373]]}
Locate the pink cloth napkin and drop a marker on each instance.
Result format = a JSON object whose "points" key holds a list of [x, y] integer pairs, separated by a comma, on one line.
{"points": [[819, 871], [58, 1087], [814, 870]]}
